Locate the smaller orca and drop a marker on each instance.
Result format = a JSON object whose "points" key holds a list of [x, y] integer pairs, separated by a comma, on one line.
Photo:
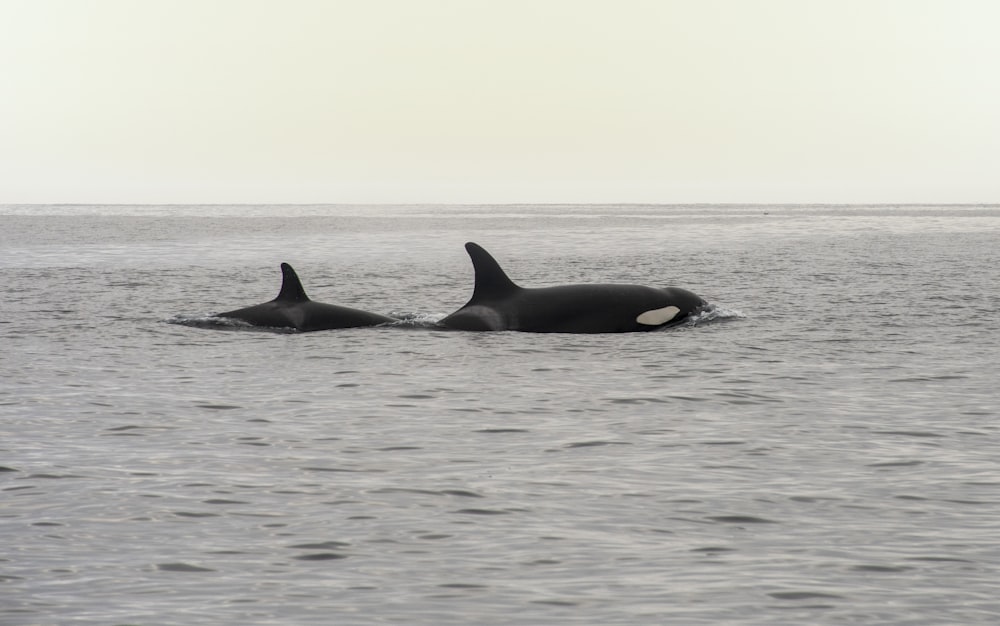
{"points": [[498, 304], [293, 309]]}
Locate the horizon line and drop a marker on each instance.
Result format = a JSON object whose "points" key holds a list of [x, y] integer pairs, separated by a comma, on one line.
{"points": [[507, 204]]}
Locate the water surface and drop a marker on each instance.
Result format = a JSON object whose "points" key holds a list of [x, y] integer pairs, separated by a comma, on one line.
{"points": [[824, 449]]}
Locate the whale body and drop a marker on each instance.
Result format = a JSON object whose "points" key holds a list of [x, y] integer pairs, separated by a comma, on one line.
{"points": [[293, 309], [499, 304]]}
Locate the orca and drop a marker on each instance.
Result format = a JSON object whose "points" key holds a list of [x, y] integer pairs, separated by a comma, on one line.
{"points": [[499, 304], [293, 309]]}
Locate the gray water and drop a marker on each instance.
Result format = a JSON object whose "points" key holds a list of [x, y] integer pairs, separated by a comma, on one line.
{"points": [[822, 449]]}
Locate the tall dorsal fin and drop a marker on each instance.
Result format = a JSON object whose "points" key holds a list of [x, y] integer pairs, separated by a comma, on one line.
{"points": [[291, 286], [491, 281]]}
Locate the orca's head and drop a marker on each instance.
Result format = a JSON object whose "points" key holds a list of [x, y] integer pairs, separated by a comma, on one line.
{"points": [[687, 301], [683, 304]]}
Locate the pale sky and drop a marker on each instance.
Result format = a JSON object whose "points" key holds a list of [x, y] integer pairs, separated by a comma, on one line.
{"points": [[500, 101]]}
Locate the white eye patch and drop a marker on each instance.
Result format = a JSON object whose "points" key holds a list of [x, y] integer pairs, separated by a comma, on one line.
{"points": [[658, 316]]}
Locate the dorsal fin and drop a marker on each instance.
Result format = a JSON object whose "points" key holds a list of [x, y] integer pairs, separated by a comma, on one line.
{"points": [[291, 286], [491, 281]]}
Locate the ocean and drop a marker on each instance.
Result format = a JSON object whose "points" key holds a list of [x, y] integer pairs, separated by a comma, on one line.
{"points": [[823, 448]]}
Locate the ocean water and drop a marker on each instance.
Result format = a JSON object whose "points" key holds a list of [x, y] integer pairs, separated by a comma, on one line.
{"points": [[824, 448]]}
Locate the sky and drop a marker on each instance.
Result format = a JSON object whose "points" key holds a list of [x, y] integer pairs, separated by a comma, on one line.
{"points": [[499, 101]]}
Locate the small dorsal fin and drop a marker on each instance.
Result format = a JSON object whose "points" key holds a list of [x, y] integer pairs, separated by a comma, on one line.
{"points": [[491, 281], [291, 286]]}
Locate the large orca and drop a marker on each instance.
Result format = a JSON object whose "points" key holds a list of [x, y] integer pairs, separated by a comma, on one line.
{"points": [[293, 309], [498, 304]]}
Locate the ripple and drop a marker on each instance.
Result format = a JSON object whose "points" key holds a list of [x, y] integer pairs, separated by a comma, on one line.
{"points": [[502, 430], [927, 379], [741, 519], [482, 512], [341, 469], [321, 556], [556, 602], [889, 569], [713, 549], [895, 464], [322, 545], [52, 476], [802, 595], [461, 493], [181, 567], [425, 492], [811, 499], [746, 398]]}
